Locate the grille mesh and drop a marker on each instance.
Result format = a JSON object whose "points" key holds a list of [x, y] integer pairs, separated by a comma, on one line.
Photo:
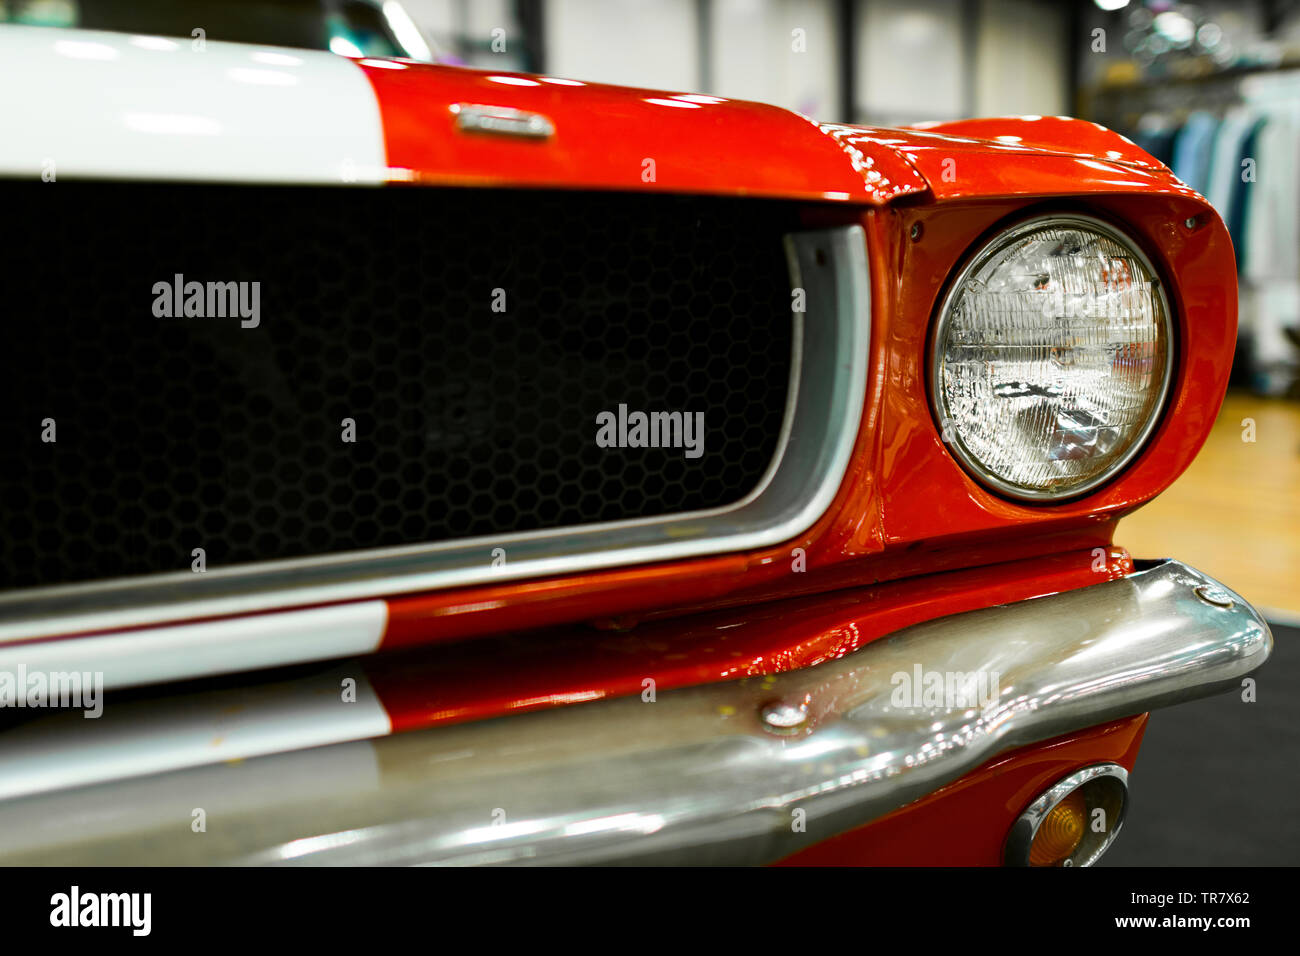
{"points": [[179, 433]]}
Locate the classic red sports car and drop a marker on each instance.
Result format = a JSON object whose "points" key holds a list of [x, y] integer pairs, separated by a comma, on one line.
{"points": [[414, 464]]}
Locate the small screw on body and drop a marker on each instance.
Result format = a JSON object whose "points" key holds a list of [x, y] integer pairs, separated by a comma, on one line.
{"points": [[1212, 595], [780, 717]]}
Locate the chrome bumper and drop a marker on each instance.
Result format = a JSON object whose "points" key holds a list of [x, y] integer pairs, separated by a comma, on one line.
{"points": [[710, 774]]}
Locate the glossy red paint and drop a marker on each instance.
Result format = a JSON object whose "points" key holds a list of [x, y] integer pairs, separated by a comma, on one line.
{"points": [[962, 167], [966, 822], [1197, 268], [1059, 134], [604, 136], [508, 673]]}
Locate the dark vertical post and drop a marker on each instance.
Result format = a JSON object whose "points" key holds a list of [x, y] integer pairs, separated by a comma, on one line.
{"points": [[464, 49], [1074, 41], [1274, 13], [704, 45], [531, 17], [846, 26]]}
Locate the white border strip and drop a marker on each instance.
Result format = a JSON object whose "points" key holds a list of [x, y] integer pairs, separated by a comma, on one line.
{"points": [[157, 655]]}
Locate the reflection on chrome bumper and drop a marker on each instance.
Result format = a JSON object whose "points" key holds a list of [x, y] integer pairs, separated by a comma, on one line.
{"points": [[714, 774]]}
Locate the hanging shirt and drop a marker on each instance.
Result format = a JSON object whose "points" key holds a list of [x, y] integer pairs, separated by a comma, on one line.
{"points": [[1235, 217], [1225, 170], [1272, 266], [1193, 147]]}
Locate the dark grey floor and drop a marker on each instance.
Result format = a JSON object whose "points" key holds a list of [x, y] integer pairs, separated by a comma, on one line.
{"points": [[1217, 782]]}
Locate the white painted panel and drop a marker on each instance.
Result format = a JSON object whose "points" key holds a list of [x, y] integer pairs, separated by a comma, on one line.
{"points": [[160, 654], [108, 104]]}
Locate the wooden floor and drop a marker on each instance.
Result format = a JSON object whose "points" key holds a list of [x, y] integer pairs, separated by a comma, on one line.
{"points": [[1235, 513]]}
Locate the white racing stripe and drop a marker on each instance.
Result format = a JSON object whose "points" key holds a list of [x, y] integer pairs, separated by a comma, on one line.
{"points": [[140, 737], [160, 654], [76, 103], [81, 103]]}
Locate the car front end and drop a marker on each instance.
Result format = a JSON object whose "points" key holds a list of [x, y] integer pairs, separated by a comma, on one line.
{"points": [[579, 474]]}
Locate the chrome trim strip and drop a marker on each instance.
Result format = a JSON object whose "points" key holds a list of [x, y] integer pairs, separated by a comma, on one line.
{"points": [[701, 775], [61, 750], [938, 403], [502, 121], [828, 386]]}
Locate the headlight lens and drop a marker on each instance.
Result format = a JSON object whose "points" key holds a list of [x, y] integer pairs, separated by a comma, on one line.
{"points": [[1051, 357]]}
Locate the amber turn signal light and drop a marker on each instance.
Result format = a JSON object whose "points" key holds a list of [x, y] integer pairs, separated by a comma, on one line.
{"points": [[1072, 822], [1060, 832]]}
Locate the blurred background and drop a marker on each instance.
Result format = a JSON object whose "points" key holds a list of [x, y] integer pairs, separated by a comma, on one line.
{"points": [[1212, 89]]}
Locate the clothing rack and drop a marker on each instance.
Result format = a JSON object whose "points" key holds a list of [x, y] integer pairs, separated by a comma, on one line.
{"points": [[1234, 136], [1121, 105]]}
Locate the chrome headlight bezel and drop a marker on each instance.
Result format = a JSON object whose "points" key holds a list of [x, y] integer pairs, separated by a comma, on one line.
{"points": [[975, 258]]}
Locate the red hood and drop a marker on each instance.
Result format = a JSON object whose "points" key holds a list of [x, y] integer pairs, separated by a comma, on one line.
{"points": [[606, 137], [302, 116], [1010, 156]]}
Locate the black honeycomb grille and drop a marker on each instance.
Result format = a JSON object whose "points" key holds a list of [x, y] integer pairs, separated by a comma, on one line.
{"points": [[375, 305]]}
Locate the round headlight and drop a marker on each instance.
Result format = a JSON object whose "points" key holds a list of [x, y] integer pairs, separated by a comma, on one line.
{"points": [[1052, 357]]}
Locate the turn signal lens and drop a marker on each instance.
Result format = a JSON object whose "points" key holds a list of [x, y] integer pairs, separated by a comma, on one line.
{"points": [[1073, 821], [1052, 357], [1060, 832]]}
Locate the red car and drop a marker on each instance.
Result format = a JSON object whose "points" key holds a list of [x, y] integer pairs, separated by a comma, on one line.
{"points": [[535, 471]]}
